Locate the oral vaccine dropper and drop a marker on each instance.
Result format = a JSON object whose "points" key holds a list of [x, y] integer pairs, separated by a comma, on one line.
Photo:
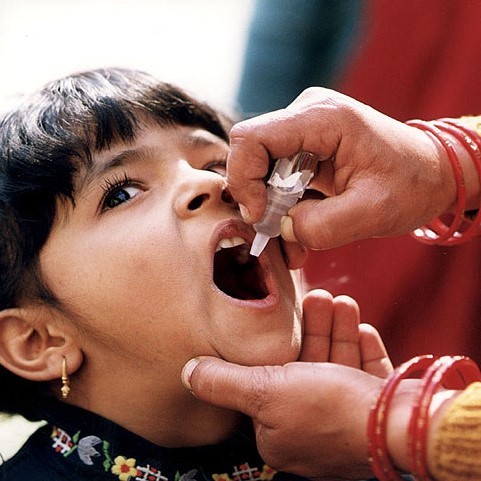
{"points": [[285, 187]]}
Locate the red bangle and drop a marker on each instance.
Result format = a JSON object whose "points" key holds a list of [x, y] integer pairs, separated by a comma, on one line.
{"points": [[450, 372], [437, 232], [440, 373], [472, 143], [381, 463]]}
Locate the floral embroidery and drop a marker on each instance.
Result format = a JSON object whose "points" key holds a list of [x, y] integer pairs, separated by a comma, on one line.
{"points": [[221, 477], [62, 442], [86, 450], [188, 476], [149, 474], [124, 468], [267, 473], [245, 473], [107, 459]]}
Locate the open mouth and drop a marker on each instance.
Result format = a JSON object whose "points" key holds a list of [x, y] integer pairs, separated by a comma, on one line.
{"points": [[236, 272]]}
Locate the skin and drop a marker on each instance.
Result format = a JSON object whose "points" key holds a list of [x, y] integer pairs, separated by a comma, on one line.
{"points": [[321, 433], [122, 274], [325, 437], [368, 162], [135, 283]]}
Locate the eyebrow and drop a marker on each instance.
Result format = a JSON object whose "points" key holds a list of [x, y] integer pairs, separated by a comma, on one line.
{"points": [[137, 154], [194, 139], [125, 157]]}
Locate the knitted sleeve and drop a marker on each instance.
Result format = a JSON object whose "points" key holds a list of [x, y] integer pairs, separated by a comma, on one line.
{"points": [[457, 445], [472, 122]]}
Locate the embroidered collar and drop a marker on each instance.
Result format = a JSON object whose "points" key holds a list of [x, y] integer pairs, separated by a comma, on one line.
{"points": [[127, 468], [91, 444]]}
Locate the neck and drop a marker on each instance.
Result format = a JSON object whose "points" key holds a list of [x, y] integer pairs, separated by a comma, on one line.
{"points": [[164, 413]]}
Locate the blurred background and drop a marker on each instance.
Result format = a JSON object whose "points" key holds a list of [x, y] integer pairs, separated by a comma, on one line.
{"points": [[197, 44]]}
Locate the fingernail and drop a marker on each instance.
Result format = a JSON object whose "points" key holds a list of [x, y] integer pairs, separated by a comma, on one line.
{"points": [[244, 212], [287, 229], [187, 371]]}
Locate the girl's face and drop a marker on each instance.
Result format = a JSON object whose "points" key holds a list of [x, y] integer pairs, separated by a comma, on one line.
{"points": [[152, 261]]}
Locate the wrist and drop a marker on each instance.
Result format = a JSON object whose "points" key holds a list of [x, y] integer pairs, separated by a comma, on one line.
{"points": [[462, 149], [473, 186], [399, 416], [400, 426]]}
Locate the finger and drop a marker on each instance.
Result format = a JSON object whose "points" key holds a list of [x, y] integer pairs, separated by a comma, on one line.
{"points": [[296, 254], [255, 142], [345, 332], [374, 357], [334, 221], [317, 314], [324, 178], [252, 146], [228, 385]]}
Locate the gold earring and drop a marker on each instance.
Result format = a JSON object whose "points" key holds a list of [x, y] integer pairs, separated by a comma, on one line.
{"points": [[65, 389]]}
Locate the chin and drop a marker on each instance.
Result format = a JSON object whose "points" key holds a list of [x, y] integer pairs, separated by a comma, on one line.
{"points": [[266, 350], [274, 359]]}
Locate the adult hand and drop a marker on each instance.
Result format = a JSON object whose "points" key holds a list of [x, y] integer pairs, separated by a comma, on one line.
{"points": [[309, 417], [382, 177]]}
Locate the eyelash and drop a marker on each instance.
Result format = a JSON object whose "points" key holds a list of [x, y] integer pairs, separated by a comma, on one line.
{"points": [[117, 182], [109, 186], [217, 163]]}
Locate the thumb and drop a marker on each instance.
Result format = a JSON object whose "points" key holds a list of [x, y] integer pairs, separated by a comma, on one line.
{"points": [[227, 385]]}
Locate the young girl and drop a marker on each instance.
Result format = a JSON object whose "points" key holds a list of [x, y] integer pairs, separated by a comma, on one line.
{"points": [[122, 255]]}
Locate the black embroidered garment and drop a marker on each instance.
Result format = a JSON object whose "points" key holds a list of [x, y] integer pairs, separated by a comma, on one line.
{"points": [[78, 445]]}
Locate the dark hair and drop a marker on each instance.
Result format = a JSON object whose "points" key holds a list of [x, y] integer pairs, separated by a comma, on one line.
{"points": [[45, 141]]}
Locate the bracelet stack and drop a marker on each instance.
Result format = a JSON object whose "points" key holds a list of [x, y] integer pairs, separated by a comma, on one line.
{"points": [[450, 372], [463, 225]]}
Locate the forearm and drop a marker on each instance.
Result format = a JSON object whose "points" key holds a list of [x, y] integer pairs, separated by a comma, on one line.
{"points": [[458, 145], [398, 424]]}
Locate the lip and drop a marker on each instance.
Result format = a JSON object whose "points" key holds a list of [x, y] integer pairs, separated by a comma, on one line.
{"points": [[236, 228]]}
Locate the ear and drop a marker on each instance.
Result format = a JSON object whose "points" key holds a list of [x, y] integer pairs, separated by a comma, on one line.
{"points": [[33, 344]]}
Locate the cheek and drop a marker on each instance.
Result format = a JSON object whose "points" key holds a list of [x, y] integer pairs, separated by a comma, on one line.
{"points": [[127, 290], [99, 271]]}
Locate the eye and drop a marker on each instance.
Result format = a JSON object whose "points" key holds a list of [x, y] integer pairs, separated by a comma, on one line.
{"points": [[119, 196], [118, 192], [218, 166]]}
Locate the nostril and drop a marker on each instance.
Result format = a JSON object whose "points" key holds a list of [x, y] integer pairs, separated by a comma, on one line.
{"points": [[226, 196], [195, 203]]}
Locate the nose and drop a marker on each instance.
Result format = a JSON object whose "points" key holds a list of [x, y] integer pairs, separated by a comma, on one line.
{"points": [[199, 191]]}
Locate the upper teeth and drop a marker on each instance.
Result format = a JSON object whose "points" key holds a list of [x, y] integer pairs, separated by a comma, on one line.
{"points": [[228, 243]]}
